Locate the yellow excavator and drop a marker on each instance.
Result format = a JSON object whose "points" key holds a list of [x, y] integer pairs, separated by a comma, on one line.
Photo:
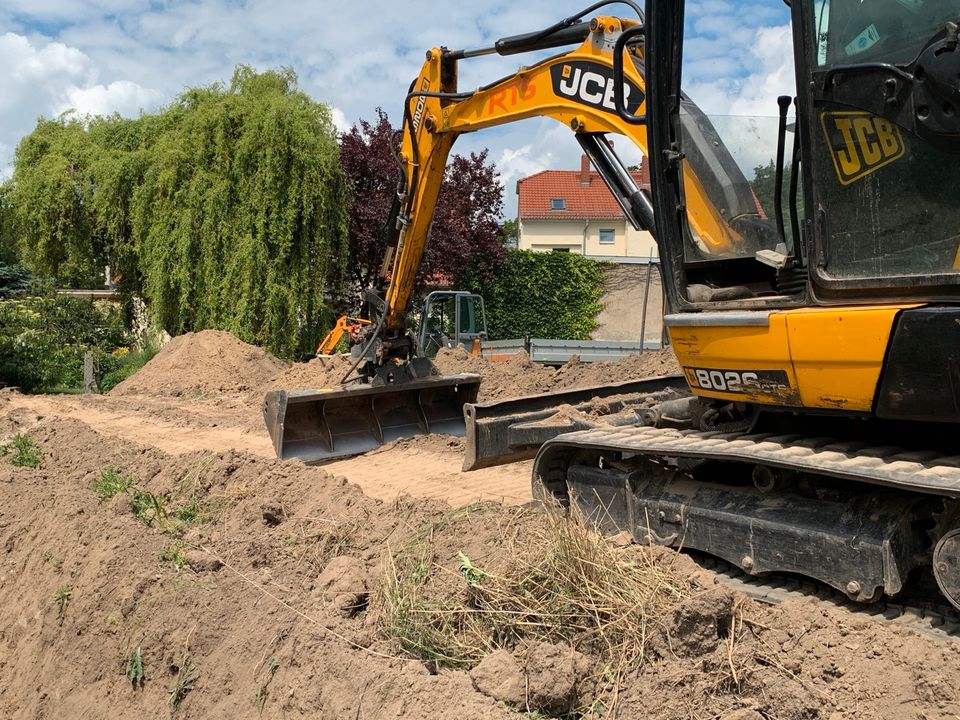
{"points": [[820, 348]]}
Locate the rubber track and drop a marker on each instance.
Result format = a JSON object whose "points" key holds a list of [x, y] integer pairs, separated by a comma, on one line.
{"points": [[934, 618], [918, 471], [927, 472]]}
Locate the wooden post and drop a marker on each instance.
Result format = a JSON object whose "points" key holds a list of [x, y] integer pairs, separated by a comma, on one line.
{"points": [[88, 372]]}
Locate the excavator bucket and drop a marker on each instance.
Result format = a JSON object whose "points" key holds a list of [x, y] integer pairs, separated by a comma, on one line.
{"points": [[319, 425]]}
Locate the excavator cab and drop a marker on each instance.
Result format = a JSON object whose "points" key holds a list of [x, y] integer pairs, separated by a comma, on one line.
{"points": [[450, 319]]}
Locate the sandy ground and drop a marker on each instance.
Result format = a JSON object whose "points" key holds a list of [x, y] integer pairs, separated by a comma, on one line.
{"points": [[251, 588], [426, 469]]}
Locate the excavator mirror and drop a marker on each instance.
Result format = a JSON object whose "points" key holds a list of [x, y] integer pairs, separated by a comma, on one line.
{"points": [[619, 100]]}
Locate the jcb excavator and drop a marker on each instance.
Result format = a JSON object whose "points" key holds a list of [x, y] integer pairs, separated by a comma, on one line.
{"points": [[822, 354]]}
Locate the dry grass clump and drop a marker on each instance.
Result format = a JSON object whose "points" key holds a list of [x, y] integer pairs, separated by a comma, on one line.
{"points": [[546, 578]]}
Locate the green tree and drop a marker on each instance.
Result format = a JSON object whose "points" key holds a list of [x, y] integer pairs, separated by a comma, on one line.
{"points": [[47, 195], [225, 210], [8, 250], [509, 233], [764, 187], [240, 219], [548, 295]]}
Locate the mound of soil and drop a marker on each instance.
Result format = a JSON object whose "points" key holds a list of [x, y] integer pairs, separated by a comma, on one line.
{"points": [[252, 588], [500, 380], [204, 363], [520, 376], [319, 373]]}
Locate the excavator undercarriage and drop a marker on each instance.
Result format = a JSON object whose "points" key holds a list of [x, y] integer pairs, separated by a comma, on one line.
{"points": [[852, 517]]}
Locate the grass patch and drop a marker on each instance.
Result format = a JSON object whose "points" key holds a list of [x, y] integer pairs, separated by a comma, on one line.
{"points": [[171, 512], [135, 669], [55, 563], [552, 579], [61, 599], [111, 482], [148, 508], [22, 452], [187, 677], [173, 554]]}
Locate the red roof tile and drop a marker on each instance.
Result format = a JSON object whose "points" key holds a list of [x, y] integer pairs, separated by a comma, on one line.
{"points": [[591, 201]]}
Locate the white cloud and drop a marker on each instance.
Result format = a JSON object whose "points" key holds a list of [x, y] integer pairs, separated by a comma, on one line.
{"points": [[340, 121], [121, 96], [742, 102], [48, 78], [102, 56]]}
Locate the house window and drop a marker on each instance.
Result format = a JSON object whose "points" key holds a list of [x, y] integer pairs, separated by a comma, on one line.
{"points": [[558, 204], [562, 249], [607, 236]]}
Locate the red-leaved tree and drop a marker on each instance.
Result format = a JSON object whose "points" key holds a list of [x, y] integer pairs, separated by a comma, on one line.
{"points": [[465, 225]]}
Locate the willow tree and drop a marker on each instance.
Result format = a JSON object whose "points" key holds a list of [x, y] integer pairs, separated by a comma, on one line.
{"points": [[47, 199], [227, 209], [240, 218]]}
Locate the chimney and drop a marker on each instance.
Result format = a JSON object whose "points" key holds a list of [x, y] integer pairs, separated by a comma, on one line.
{"points": [[584, 171]]}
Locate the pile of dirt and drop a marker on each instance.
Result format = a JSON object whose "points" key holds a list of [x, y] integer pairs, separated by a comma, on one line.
{"points": [[214, 363], [500, 380], [209, 362], [319, 373], [520, 376], [228, 585]]}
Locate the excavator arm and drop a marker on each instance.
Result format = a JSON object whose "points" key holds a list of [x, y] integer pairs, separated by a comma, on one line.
{"points": [[345, 324], [576, 88]]}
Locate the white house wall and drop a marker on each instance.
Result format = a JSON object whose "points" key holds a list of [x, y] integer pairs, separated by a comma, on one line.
{"points": [[583, 237]]}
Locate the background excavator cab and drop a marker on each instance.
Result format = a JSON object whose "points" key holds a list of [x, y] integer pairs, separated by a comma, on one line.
{"points": [[451, 318]]}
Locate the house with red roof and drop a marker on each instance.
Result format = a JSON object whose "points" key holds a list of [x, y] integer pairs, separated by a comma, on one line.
{"points": [[573, 211]]}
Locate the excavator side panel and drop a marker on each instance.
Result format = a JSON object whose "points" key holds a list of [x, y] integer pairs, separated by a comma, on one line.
{"points": [[829, 358]]}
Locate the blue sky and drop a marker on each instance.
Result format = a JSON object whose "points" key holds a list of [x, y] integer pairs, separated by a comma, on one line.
{"points": [[103, 56]]}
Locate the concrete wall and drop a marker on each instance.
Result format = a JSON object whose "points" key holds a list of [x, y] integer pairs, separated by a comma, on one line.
{"points": [[622, 314], [583, 237]]}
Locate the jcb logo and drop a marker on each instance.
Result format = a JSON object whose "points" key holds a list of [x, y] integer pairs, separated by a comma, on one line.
{"points": [[421, 101], [860, 143], [590, 83]]}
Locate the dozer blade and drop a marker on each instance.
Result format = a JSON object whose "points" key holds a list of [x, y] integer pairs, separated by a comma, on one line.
{"points": [[510, 430], [319, 425]]}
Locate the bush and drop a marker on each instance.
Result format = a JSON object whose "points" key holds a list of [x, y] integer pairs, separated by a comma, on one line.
{"points": [[115, 367], [43, 340], [547, 295], [15, 281]]}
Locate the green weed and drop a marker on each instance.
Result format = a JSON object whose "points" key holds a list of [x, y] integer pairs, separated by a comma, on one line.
{"points": [[187, 677], [54, 562], [148, 508], [260, 698], [23, 452], [174, 554], [62, 598], [111, 482], [135, 669], [468, 571], [263, 692], [191, 512]]}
